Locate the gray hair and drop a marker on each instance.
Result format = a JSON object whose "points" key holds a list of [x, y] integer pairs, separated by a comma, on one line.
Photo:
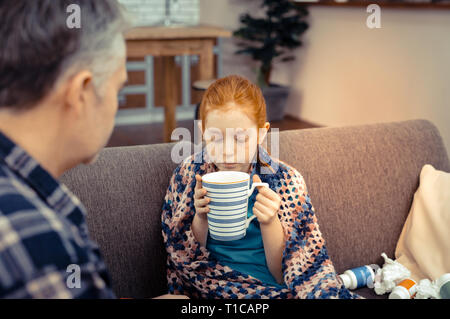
{"points": [[41, 49], [101, 43]]}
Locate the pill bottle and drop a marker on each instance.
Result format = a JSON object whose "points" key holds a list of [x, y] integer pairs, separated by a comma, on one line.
{"points": [[406, 289], [443, 284], [359, 277]]}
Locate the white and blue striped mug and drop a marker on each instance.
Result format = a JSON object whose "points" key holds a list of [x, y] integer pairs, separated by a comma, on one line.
{"points": [[229, 193]]}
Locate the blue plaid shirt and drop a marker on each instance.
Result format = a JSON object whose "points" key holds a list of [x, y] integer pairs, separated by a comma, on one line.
{"points": [[45, 249]]}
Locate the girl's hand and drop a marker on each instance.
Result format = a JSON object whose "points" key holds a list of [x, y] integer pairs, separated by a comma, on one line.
{"points": [[267, 204], [200, 200]]}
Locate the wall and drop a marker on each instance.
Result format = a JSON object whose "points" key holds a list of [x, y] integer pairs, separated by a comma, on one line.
{"points": [[150, 12], [348, 74], [225, 13]]}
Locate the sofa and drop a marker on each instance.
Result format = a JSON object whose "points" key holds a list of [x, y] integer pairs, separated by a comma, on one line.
{"points": [[361, 180]]}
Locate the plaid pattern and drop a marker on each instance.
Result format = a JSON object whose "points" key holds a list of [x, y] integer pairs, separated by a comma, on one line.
{"points": [[42, 232]]}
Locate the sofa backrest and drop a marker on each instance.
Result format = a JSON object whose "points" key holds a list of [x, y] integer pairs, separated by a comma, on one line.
{"points": [[361, 180]]}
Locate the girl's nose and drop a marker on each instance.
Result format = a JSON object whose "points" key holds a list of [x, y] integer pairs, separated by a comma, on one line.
{"points": [[229, 149]]}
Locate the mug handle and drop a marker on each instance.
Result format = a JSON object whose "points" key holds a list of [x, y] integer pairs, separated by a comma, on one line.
{"points": [[250, 191], [247, 222]]}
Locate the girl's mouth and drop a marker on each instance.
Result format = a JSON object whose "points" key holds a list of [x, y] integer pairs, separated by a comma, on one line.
{"points": [[229, 166]]}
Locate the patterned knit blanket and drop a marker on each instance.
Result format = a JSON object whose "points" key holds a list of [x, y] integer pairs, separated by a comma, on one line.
{"points": [[307, 270]]}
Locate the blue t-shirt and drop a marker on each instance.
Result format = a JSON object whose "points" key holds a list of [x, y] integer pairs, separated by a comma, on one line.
{"points": [[246, 254]]}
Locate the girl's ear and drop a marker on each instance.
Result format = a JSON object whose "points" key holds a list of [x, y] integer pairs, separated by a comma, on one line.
{"points": [[262, 132]]}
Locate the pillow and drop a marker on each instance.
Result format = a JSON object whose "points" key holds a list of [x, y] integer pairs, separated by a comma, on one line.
{"points": [[424, 243]]}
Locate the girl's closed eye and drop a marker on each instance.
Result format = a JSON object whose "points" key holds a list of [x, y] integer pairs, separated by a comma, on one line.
{"points": [[217, 139], [241, 138], [213, 136]]}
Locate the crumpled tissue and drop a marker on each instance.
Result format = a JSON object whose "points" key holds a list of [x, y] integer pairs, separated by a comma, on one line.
{"points": [[387, 277], [427, 289]]}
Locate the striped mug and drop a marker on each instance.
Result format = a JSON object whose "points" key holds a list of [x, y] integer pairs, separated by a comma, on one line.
{"points": [[229, 192]]}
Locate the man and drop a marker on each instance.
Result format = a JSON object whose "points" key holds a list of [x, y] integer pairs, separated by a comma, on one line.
{"points": [[58, 100]]}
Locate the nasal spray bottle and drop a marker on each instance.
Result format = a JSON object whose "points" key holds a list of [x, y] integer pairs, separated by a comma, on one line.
{"points": [[359, 277]]}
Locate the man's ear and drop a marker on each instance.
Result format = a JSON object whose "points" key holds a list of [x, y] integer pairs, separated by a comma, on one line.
{"points": [[262, 132], [79, 91]]}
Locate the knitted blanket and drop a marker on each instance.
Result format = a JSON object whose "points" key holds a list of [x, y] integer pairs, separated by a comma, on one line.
{"points": [[307, 270]]}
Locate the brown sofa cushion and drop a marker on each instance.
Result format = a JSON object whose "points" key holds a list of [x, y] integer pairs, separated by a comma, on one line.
{"points": [[361, 180]]}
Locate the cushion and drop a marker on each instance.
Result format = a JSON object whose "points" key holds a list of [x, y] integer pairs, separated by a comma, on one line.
{"points": [[424, 243]]}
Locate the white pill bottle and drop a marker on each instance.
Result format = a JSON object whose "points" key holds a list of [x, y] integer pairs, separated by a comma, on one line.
{"points": [[406, 289], [360, 277]]}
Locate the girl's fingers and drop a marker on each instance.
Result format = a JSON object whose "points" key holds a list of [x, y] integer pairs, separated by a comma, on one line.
{"points": [[269, 213], [202, 210], [267, 192], [262, 218], [202, 202], [200, 193], [198, 183], [266, 201]]}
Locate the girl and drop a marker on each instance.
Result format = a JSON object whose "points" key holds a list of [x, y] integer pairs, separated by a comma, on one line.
{"points": [[283, 253]]}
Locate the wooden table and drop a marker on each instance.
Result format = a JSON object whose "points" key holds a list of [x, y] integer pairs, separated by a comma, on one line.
{"points": [[168, 42]]}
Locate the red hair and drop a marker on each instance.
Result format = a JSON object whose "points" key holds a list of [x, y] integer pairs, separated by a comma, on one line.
{"points": [[238, 90]]}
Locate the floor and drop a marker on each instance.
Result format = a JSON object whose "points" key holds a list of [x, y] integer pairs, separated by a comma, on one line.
{"points": [[130, 135]]}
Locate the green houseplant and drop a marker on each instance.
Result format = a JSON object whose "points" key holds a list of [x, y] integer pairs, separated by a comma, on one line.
{"points": [[270, 39]]}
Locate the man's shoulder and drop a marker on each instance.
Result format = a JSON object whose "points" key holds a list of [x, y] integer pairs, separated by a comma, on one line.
{"points": [[34, 243], [37, 246], [16, 197], [24, 216]]}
